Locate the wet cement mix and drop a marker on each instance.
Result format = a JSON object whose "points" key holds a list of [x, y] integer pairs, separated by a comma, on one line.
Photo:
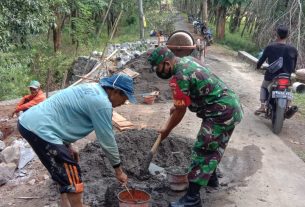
{"points": [[101, 186]]}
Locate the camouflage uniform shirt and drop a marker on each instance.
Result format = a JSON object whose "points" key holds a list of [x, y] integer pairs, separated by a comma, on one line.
{"points": [[196, 87]]}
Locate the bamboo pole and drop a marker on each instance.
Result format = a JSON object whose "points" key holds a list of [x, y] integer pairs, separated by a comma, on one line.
{"points": [[109, 6], [48, 83], [116, 24], [63, 84]]}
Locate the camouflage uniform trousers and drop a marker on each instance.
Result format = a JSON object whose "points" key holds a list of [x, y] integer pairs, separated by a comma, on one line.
{"points": [[212, 140]]}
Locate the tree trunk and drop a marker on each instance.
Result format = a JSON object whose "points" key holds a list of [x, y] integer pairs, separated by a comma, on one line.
{"points": [[192, 7], [73, 26], [56, 38], [186, 6], [246, 22], [199, 14], [253, 23], [235, 20], [204, 10], [160, 2], [141, 19], [110, 22], [221, 22], [57, 28]]}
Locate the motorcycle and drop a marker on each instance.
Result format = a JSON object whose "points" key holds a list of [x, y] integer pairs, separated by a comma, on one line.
{"points": [[278, 105]]}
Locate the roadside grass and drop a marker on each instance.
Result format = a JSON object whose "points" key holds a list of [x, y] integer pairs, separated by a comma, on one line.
{"points": [[301, 154], [235, 41], [299, 100]]}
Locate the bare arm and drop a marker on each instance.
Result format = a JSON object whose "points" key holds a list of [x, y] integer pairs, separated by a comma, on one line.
{"points": [[177, 114], [262, 59]]}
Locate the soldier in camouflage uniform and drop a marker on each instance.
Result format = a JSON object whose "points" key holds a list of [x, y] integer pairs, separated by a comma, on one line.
{"points": [[196, 87]]}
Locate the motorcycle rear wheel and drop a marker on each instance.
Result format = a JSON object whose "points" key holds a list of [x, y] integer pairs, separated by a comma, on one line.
{"points": [[278, 116]]}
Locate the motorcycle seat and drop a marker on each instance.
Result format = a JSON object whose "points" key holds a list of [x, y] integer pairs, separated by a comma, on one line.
{"points": [[283, 75]]}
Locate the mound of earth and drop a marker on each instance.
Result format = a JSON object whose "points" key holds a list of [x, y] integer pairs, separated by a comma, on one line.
{"points": [[101, 187]]}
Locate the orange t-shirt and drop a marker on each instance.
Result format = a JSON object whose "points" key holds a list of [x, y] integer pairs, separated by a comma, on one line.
{"points": [[29, 100]]}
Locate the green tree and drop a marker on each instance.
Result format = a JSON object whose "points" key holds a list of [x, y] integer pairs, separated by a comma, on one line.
{"points": [[60, 11], [221, 13], [19, 19]]}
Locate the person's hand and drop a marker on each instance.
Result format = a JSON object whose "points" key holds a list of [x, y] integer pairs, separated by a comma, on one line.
{"points": [[14, 114], [120, 175], [74, 153]]}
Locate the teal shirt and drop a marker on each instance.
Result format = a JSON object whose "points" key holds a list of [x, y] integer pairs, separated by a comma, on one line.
{"points": [[72, 114]]}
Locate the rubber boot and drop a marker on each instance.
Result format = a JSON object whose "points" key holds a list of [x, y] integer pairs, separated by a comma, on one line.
{"points": [[213, 182], [190, 199]]}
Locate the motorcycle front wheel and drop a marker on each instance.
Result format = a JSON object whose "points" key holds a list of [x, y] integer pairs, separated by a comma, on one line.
{"points": [[278, 116]]}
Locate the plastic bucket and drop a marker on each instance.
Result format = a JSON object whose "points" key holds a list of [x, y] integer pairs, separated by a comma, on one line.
{"points": [[149, 99], [298, 87], [139, 198], [177, 178]]}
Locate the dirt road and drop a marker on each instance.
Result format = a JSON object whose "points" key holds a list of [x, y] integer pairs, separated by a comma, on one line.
{"points": [[260, 168]]}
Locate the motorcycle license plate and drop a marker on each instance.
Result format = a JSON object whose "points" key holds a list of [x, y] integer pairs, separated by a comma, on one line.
{"points": [[282, 94]]}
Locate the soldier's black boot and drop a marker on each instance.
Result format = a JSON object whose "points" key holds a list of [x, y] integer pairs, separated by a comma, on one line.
{"points": [[190, 199], [213, 182]]}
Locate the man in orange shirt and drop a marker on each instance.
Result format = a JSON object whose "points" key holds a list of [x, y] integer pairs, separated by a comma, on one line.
{"points": [[32, 99]]}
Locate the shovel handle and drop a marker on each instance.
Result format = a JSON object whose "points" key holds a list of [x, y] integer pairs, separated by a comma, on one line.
{"points": [[156, 144], [128, 191]]}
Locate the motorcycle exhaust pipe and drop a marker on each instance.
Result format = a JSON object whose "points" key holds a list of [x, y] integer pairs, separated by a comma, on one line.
{"points": [[291, 111]]}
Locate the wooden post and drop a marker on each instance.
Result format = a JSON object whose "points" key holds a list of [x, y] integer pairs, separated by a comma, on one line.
{"points": [[63, 85], [48, 83], [109, 6], [141, 19], [116, 24]]}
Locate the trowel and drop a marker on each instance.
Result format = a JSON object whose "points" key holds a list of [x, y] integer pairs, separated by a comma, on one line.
{"points": [[154, 169]]}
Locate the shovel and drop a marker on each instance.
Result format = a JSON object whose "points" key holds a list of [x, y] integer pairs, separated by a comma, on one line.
{"points": [[151, 154]]}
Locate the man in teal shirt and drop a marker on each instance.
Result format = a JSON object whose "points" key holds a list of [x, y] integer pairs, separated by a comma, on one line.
{"points": [[51, 126]]}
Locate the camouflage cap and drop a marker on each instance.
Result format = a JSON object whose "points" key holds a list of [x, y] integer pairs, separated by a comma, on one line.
{"points": [[159, 55]]}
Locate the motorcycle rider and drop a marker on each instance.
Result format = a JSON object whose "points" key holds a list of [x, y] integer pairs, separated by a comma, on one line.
{"points": [[272, 53], [206, 32]]}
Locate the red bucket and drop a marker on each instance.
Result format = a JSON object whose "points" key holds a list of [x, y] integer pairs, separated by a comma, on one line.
{"points": [[139, 198]]}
